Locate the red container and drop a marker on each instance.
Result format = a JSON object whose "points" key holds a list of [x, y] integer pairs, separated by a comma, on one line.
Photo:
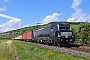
{"points": [[29, 35], [23, 36]]}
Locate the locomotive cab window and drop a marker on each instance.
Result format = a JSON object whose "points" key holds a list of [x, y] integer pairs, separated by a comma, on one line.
{"points": [[68, 27], [61, 27], [64, 27]]}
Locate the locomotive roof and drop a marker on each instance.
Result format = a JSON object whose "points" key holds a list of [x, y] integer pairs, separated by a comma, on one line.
{"points": [[42, 28], [60, 23], [52, 24], [64, 23]]}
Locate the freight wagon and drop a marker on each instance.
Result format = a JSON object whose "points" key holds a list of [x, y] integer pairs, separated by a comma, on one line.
{"points": [[17, 38], [23, 37], [29, 36]]}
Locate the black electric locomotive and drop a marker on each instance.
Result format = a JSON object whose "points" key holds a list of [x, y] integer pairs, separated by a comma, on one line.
{"points": [[56, 33]]}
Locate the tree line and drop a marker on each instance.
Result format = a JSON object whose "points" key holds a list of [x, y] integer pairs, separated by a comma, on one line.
{"points": [[84, 32]]}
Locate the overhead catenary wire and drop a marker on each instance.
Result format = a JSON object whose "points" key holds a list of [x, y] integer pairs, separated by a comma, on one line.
{"points": [[68, 6], [87, 11], [60, 5], [81, 13], [41, 9], [75, 14], [46, 4]]}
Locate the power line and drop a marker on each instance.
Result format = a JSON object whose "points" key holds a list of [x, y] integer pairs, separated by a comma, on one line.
{"points": [[67, 6], [87, 11], [81, 13], [41, 9], [44, 5], [60, 5]]}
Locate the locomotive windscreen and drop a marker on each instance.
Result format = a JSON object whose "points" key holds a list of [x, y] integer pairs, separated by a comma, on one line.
{"points": [[64, 26]]}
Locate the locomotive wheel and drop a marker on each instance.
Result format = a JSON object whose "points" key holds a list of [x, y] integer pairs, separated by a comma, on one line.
{"points": [[54, 43], [40, 41]]}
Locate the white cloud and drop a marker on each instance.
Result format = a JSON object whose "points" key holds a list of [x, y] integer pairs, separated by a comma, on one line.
{"points": [[3, 9], [78, 16], [75, 5], [2, 1], [6, 16], [11, 24], [51, 18], [6, 0], [26, 25]]}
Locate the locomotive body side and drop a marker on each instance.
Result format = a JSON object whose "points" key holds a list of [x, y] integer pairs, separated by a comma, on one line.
{"points": [[41, 35]]}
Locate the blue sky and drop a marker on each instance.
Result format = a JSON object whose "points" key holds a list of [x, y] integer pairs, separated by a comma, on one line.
{"points": [[16, 14]]}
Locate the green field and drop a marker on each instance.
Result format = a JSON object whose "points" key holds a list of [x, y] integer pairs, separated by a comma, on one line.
{"points": [[32, 52], [1, 41], [75, 26]]}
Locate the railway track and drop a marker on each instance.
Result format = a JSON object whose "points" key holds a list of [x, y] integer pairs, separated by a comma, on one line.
{"points": [[78, 47], [71, 49], [81, 49]]}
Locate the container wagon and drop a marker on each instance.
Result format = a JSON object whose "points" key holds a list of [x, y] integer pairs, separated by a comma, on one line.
{"points": [[29, 36], [17, 38], [23, 37]]}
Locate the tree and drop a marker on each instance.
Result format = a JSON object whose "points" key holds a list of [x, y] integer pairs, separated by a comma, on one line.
{"points": [[84, 30], [74, 33]]}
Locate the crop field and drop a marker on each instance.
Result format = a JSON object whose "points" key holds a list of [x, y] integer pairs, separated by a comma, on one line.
{"points": [[18, 50]]}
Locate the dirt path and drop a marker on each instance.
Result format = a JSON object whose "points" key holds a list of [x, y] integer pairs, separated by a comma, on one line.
{"points": [[8, 51], [9, 42]]}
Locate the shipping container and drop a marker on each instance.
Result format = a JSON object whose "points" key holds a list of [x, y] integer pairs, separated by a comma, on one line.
{"points": [[29, 36], [24, 36]]}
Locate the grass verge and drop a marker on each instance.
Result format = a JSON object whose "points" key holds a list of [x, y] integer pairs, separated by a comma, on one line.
{"points": [[33, 52]]}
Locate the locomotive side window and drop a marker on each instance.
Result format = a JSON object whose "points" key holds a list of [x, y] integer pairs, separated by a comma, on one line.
{"points": [[68, 27]]}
